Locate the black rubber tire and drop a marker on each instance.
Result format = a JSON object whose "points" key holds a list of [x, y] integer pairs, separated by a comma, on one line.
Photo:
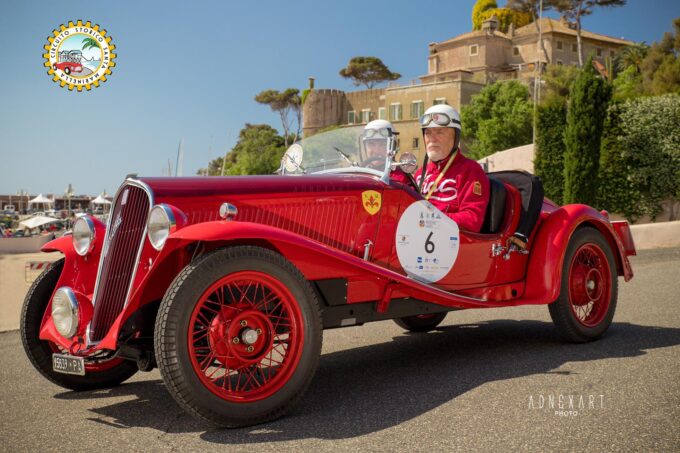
{"points": [[39, 351], [54, 66], [421, 324], [67, 70], [172, 327], [560, 310]]}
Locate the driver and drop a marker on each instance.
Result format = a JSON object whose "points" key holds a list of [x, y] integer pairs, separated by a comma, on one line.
{"points": [[456, 185]]}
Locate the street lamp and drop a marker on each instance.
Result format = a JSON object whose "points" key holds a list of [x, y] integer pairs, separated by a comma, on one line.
{"points": [[69, 194]]}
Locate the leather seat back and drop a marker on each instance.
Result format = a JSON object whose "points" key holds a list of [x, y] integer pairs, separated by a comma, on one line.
{"points": [[495, 210]]}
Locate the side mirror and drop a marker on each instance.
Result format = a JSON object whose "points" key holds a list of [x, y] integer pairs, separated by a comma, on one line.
{"points": [[408, 162]]}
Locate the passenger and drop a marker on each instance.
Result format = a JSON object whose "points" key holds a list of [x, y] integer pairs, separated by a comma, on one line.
{"points": [[456, 185]]}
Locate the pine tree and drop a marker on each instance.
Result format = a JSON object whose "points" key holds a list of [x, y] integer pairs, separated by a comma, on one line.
{"points": [[587, 110], [549, 158]]}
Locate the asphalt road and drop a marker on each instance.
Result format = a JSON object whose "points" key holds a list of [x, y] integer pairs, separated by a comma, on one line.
{"points": [[475, 384]]}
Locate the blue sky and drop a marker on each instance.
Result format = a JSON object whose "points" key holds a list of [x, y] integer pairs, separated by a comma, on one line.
{"points": [[191, 69]]}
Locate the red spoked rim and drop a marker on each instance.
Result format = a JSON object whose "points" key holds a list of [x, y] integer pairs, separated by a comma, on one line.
{"points": [[589, 285], [245, 336]]}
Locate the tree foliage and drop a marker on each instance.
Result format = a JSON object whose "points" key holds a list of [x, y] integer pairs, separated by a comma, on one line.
{"points": [[575, 10], [286, 103], [588, 102], [258, 151], [497, 118], [661, 67], [481, 7], [650, 146], [484, 9], [627, 84], [549, 155], [368, 71], [558, 81], [615, 191]]}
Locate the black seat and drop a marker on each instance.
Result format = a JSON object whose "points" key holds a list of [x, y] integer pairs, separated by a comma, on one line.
{"points": [[495, 210]]}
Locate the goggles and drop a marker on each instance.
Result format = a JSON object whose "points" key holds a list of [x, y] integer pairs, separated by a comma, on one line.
{"points": [[377, 133], [440, 119]]}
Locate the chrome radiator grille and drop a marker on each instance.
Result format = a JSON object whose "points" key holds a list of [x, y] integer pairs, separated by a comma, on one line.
{"points": [[124, 239]]}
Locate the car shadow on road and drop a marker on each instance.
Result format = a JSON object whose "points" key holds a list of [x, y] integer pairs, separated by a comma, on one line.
{"points": [[367, 389]]}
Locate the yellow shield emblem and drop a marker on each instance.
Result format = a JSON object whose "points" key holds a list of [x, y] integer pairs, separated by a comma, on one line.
{"points": [[371, 200]]}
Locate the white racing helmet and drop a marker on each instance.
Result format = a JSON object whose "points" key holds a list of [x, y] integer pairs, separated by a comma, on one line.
{"points": [[442, 115], [378, 133]]}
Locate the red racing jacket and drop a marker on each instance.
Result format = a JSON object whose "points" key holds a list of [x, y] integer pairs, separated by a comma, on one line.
{"points": [[462, 193]]}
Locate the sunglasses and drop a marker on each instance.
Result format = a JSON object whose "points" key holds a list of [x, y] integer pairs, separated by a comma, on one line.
{"points": [[440, 119]]}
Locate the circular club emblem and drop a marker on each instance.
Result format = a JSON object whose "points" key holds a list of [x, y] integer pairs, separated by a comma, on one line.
{"points": [[79, 55], [427, 242]]}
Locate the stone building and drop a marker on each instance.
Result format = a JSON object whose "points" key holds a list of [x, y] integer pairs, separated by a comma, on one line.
{"points": [[456, 69]]}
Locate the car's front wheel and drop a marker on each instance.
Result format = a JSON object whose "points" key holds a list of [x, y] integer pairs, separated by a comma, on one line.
{"points": [[585, 308], [238, 336], [98, 373]]}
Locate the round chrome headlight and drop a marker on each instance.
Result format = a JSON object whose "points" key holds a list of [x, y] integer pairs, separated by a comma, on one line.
{"points": [[161, 220], [65, 312], [83, 235]]}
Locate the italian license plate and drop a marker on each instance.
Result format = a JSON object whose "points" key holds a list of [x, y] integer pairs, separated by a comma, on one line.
{"points": [[68, 364]]}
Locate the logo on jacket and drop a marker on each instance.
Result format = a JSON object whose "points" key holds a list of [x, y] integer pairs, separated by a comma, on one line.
{"points": [[371, 201], [446, 191], [79, 55]]}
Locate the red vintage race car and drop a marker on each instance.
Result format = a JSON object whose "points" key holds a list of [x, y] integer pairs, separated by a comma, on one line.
{"points": [[227, 283]]}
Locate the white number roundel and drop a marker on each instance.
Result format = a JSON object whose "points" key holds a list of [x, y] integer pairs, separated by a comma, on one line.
{"points": [[427, 242]]}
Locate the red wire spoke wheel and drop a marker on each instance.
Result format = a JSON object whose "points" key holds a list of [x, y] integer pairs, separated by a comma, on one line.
{"points": [[238, 336], [246, 336], [589, 285], [587, 302]]}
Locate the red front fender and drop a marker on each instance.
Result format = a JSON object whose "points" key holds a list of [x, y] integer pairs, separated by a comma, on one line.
{"points": [[544, 272]]}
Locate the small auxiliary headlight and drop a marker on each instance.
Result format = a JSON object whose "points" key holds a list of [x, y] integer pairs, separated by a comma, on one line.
{"points": [[161, 220], [83, 235], [228, 211], [65, 312]]}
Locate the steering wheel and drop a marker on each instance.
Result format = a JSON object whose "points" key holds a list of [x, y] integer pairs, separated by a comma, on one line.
{"points": [[372, 160]]}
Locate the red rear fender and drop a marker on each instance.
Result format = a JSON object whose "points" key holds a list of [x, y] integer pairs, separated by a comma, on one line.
{"points": [[544, 271]]}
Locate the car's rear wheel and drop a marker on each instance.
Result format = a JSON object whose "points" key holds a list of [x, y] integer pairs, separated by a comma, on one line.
{"points": [[104, 373], [67, 70], [238, 336], [54, 66], [589, 288], [421, 323]]}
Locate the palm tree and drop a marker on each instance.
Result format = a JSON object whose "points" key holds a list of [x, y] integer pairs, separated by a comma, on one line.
{"points": [[632, 55], [90, 43]]}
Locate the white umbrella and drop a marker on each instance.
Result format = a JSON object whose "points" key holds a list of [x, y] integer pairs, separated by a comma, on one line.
{"points": [[35, 222], [100, 200], [40, 199]]}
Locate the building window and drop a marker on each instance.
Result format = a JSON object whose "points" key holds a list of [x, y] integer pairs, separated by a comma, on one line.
{"points": [[474, 50], [417, 108], [612, 53], [382, 113], [599, 52], [365, 115], [439, 101], [351, 117], [416, 141], [558, 45], [574, 47], [395, 112], [515, 51], [559, 62]]}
